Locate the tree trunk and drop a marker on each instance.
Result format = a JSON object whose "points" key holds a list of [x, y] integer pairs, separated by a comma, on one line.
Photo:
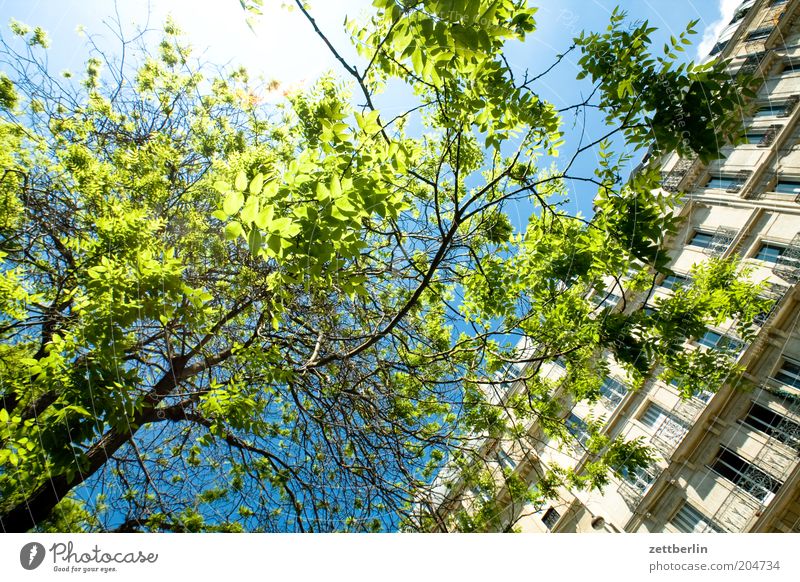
{"points": [[38, 506]]}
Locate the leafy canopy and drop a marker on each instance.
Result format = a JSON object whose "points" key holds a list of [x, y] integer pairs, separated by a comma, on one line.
{"points": [[220, 313]]}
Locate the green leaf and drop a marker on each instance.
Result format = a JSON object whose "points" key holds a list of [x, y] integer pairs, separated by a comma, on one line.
{"points": [[241, 182], [264, 218], [233, 230], [274, 244], [257, 184], [250, 211], [335, 187], [232, 203], [254, 241]]}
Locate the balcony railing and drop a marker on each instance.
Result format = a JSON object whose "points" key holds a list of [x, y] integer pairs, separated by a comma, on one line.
{"points": [[632, 490], [721, 241], [788, 264], [736, 511], [752, 62], [789, 106], [769, 136], [739, 181], [671, 181], [775, 293]]}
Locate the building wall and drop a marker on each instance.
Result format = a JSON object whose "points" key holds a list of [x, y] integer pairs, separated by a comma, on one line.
{"points": [[719, 466]]}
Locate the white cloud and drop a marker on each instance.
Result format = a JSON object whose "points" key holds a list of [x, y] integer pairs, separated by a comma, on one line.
{"points": [[711, 32]]}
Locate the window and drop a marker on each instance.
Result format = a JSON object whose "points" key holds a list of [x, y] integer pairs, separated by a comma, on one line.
{"points": [[769, 252], [739, 15], [480, 494], [715, 243], [773, 424], [710, 339], [769, 110], [703, 395], [603, 299], [672, 281], [640, 479], [789, 374], [550, 518], [653, 415], [759, 33], [787, 187], [690, 520], [613, 391], [745, 475], [577, 428], [701, 239], [790, 67], [668, 431], [774, 293], [718, 48], [722, 182], [720, 342], [754, 137], [505, 460]]}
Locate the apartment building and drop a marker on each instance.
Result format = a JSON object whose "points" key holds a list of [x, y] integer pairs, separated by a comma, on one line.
{"points": [[727, 461]]}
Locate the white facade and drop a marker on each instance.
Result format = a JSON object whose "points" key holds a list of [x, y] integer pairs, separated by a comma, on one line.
{"points": [[729, 461]]}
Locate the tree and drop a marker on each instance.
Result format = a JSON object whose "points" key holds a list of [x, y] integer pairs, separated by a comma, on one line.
{"points": [[222, 315]]}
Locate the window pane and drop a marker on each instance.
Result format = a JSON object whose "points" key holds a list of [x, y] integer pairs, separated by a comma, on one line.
{"points": [[753, 138], [775, 425], [745, 475], [640, 479], [690, 520], [653, 415], [550, 518], [672, 281], [604, 299], [787, 187], [613, 391], [789, 374], [717, 341], [701, 239], [769, 110], [710, 339], [769, 252], [789, 68], [759, 33], [577, 428], [506, 460], [739, 15], [720, 182], [717, 48]]}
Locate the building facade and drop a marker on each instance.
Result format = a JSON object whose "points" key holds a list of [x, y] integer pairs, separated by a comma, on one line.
{"points": [[728, 461]]}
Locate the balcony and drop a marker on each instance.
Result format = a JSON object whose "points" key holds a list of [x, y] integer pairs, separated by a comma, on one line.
{"points": [[751, 64], [671, 181], [634, 486], [737, 511], [721, 240], [789, 106], [776, 293], [787, 266], [768, 137]]}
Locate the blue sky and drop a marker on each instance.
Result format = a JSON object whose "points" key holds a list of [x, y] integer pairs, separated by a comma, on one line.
{"points": [[284, 48]]}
